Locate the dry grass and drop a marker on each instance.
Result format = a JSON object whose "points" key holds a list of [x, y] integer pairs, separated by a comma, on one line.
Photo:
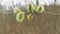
{"points": [[46, 23]]}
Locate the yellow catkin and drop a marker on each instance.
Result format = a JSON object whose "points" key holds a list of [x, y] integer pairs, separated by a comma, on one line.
{"points": [[16, 10], [29, 17], [20, 16], [40, 9], [31, 7]]}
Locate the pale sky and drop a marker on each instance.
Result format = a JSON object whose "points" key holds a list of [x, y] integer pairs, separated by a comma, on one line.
{"points": [[24, 2], [9, 2]]}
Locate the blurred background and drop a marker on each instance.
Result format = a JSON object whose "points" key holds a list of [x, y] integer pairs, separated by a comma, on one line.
{"points": [[45, 23]]}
